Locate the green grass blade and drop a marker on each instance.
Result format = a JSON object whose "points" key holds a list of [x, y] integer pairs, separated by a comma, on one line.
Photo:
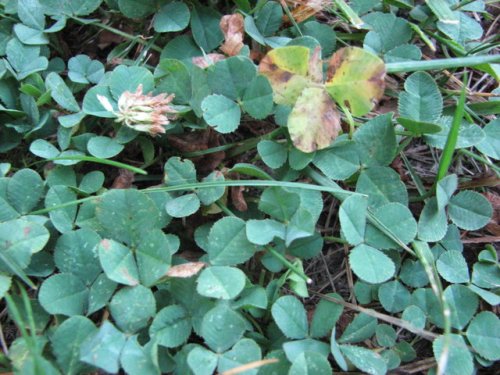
{"points": [[427, 259], [451, 141], [351, 15], [322, 180], [15, 269], [442, 10], [438, 64], [92, 159], [336, 190]]}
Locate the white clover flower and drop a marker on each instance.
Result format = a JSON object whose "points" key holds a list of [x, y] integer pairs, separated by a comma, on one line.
{"points": [[145, 113]]}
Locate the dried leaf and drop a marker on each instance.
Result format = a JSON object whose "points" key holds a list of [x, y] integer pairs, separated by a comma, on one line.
{"points": [[238, 199], [493, 226], [232, 27], [305, 9], [124, 180], [190, 142], [207, 60], [185, 270]]}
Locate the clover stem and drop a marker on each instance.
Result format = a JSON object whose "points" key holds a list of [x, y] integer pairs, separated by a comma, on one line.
{"points": [[135, 38], [349, 118]]}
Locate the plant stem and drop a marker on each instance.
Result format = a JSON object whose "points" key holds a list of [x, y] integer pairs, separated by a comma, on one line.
{"points": [[438, 64], [426, 257], [251, 143], [349, 118], [335, 239], [351, 15], [288, 264], [480, 159], [239, 147], [135, 38]]}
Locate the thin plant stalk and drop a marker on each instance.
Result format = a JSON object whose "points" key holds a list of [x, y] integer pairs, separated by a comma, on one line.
{"points": [[426, 257]]}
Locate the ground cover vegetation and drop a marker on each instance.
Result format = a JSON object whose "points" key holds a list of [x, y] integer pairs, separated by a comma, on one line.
{"points": [[249, 187]]}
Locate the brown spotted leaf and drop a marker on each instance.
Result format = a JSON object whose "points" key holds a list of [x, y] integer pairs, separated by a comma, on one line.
{"points": [[287, 70], [314, 122], [232, 27], [316, 66], [356, 79]]}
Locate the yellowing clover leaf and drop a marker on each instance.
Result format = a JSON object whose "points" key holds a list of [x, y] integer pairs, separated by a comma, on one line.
{"points": [[286, 69], [314, 121], [356, 79]]}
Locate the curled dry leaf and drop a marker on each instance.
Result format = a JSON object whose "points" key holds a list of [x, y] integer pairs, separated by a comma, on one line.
{"points": [[190, 142], [304, 9], [207, 60], [185, 270], [124, 180], [232, 26], [494, 225], [238, 199]]}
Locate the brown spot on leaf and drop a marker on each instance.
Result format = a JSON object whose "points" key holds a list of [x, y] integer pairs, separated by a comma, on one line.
{"points": [[105, 244], [26, 231], [207, 60], [132, 280], [185, 270], [285, 76]]}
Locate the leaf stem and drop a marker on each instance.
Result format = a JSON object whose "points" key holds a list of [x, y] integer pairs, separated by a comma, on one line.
{"points": [[135, 38], [288, 264], [239, 147], [335, 239], [480, 159], [349, 118]]}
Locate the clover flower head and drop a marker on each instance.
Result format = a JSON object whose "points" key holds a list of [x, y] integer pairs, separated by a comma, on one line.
{"points": [[146, 113]]}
